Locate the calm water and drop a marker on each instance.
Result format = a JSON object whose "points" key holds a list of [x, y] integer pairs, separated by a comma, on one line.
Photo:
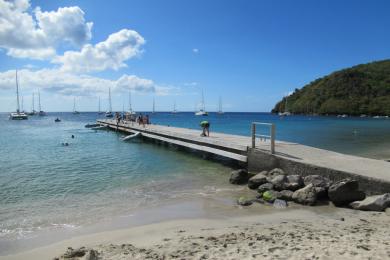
{"points": [[46, 186]]}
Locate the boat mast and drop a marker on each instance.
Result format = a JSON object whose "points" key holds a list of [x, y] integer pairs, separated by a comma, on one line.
{"points": [[33, 105], [17, 93], [174, 105], [22, 105], [220, 105], [99, 105], [130, 108], [74, 104], [39, 100], [109, 100], [153, 106], [203, 105]]}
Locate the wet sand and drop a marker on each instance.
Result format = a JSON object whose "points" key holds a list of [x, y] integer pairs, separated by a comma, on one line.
{"points": [[322, 232]]}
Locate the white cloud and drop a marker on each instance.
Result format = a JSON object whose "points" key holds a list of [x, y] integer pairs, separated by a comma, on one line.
{"points": [[64, 83], [195, 50], [109, 54], [36, 34]]}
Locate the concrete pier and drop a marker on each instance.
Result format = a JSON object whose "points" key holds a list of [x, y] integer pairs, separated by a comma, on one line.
{"points": [[373, 175]]}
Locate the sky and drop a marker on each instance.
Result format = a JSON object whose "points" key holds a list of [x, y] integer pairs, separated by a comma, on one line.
{"points": [[248, 53]]}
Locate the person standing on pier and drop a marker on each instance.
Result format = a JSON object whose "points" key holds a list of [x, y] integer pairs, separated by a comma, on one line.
{"points": [[205, 128]]}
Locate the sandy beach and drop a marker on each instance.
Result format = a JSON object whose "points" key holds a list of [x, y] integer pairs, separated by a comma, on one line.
{"points": [[322, 232]]}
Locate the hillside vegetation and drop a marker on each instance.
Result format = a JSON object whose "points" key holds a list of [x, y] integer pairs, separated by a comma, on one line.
{"points": [[362, 89]]}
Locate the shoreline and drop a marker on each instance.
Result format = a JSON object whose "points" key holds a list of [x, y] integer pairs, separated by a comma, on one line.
{"points": [[303, 232]]}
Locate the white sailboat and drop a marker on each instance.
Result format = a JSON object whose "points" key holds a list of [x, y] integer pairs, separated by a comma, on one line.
{"points": [[18, 115], [33, 112], [109, 111], [202, 110], [174, 111], [154, 107], [75, 112], [41, 112], [286, 112], [220, 106], [130, 111]]}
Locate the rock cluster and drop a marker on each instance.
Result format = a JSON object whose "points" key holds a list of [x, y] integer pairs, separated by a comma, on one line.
{"points": [[278, 187]]}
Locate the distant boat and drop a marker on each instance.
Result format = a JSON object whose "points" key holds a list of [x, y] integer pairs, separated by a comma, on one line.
{"points": [[286, 112], [41, 112], [109, 112], [57, 120], [33, 112], [202, 110], [75, 112], [220, 106], [342, 116], [99, 111], [130, 111], [17, 115], [174, 111]]}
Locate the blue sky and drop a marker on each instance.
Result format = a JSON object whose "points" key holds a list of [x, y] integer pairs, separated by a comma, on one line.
{"points": [[250, 53]]}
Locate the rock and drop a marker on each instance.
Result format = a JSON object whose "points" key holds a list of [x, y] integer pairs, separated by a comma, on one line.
{"points": [[279, 182], [264, 187], [317, 181], [373, 203], [243, 201], [280, 204], [306, 195], [271, 195], [239, 177], [92, 255], [72, 253], [322, 193], [275, 172], [286, 195], [294, 182], [257, 180], [289, 182], [344, 192]]}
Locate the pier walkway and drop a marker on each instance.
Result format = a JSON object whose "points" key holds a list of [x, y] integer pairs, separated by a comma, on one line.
{"points": [[238, 148]]}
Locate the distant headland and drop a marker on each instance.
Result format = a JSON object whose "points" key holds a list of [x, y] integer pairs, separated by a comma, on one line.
{"points": [[360, 90]]}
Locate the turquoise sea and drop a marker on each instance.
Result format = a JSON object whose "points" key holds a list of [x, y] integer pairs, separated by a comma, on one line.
{"points": [[47, 187]]}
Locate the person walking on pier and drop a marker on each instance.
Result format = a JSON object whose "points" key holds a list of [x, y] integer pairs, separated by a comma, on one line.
{"points": [[205, 128]]}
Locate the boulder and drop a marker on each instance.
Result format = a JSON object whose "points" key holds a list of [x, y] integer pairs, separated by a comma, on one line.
{"points": [[289, 182], [239, 177], [275, 172], [344, 192], [279, 204], [264, 187], [257, 180], [73, 253], [286, 195], [279, 182], [271, 195], [317, 181], [373, 203], [306, 195], [294, 182], [243, 201]]}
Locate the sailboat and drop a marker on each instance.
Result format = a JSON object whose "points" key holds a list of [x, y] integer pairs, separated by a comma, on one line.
{"points": [[286, 112], [202, 110], [17, 115], [220, 106], [33, 112], [174, 111], [75, 112], [109, 112], [130, 111], [99, 111], [41, 112], [154, 107]]}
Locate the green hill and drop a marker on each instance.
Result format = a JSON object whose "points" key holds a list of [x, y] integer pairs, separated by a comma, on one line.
{"points": [[362, 89]]}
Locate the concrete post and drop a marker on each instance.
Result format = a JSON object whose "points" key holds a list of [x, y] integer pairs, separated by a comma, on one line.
{"points": [[273, 132], [253, 135]]}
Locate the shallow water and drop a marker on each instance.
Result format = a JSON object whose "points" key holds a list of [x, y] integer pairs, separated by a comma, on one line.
{"points": [[47, 186]]}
